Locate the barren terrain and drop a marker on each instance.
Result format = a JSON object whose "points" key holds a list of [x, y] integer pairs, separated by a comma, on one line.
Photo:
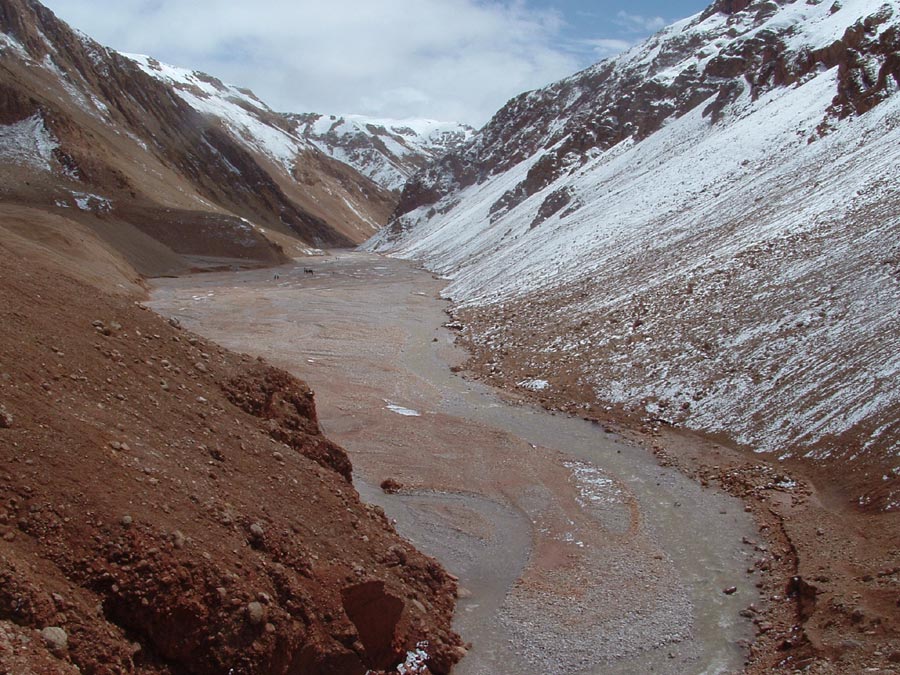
{"points": [[576, 551], [167, 506]]}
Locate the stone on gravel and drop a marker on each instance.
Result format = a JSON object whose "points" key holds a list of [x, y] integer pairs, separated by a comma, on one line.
{"points": [[256, 613], [56, 639], [391, 486], [6, 419]]}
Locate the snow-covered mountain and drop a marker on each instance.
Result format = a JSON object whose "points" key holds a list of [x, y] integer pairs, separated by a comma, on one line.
{"points": [[171, 167], [387, 151], [703, 230]]}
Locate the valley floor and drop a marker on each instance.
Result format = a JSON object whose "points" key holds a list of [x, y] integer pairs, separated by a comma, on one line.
{"points": [[577, 551]]}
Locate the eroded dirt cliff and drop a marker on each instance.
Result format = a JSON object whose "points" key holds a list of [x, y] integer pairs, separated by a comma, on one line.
{"points": [[167, 506]]}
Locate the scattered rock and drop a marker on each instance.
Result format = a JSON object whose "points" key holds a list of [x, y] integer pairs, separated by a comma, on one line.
{"points": [[56, 639], [126, 521], [391, 486], [6, 419], [256, 613], [178, 539], [257, 534], [396, 555], [731, 590]]}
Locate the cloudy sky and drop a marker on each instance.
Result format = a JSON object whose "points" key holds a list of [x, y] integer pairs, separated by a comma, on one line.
{"points": [[454, 60]]}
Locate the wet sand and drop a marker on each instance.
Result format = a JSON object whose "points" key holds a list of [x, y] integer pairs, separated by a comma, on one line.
{"points": [[577, 552]]}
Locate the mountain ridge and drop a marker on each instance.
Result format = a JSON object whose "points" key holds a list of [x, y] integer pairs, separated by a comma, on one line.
{"points": [[386, 150], [659, 232], [153, 162]]}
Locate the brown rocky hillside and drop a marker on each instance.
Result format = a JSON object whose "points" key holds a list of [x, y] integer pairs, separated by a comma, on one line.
{"points": [[90, 135], [167, 506]]}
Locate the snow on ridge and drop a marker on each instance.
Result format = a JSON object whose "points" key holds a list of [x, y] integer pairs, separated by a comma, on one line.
{"points": [[808, 25], [9, 42], [414, 128], [234, 106], [388, 151], [402, 145], [734, 276], [28, 143]]}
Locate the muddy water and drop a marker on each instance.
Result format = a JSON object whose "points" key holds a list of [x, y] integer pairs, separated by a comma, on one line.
{"points": [[576, 552]]}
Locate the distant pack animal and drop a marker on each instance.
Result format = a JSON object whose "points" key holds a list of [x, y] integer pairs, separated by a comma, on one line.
{"points": [[307, 270]]}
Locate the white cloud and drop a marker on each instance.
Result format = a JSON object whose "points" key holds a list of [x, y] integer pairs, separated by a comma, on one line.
{"points": [[445, 59], [637, 23], [603, 48]]}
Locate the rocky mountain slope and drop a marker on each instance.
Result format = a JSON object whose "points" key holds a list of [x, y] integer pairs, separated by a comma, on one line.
{"points": [[387, 151], [228, 539], [171, 171], [701, 231], [167, 506]]}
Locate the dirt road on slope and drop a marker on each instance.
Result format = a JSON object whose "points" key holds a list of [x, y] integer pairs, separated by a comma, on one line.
{"points": [[577, 553]]}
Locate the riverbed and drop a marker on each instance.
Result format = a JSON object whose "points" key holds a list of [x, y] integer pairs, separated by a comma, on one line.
{"points": [[576, 552]]}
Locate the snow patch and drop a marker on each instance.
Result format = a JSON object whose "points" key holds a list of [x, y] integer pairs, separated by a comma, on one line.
{"points": [[400, 410], [28, 143], [533, 384], [91, 202]]}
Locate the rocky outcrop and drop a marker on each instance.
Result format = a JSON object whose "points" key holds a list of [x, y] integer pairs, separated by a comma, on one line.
{"points": [[287, 405]]}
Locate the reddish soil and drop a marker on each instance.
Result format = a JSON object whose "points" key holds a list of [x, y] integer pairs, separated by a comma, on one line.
{"points": [[172, 507]]}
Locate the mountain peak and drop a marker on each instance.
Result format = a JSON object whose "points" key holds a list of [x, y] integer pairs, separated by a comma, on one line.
{"points": [[386, 150]]}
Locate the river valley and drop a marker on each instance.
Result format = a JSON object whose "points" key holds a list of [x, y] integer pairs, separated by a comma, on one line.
{"points": [[576, 552]]}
